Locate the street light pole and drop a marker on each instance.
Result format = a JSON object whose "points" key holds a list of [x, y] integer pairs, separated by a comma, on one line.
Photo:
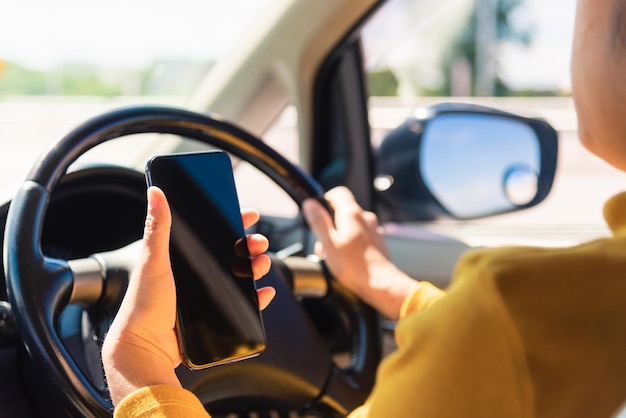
{"points": [[486, 46]]}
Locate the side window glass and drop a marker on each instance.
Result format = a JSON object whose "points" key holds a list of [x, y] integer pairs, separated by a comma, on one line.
{"points": [[511, 55]]}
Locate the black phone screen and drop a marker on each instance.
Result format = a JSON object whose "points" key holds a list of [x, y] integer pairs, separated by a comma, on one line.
{"points": [[218, 314]]}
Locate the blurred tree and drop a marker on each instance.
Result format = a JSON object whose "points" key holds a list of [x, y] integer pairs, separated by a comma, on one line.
{"points": [[382, 82], [467, 48], [89, 84], [19, 80]]}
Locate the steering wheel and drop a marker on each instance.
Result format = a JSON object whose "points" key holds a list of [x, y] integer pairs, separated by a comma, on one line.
{"points": [[297, 370]]}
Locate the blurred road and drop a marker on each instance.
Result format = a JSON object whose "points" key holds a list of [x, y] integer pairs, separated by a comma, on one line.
{"points": [[29, 124]]}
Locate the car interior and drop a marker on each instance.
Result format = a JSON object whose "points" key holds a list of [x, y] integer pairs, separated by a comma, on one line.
{"points": [[71, 229]]}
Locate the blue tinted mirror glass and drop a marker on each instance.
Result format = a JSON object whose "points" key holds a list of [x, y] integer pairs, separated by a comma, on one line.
{"points": [[479, 164]]}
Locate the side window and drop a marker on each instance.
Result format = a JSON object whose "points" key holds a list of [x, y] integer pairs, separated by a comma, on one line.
{"points": [[511, 55], [407, 46]]}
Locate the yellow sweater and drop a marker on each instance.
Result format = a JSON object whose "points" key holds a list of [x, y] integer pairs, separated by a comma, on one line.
{"points": [[521, 332]]}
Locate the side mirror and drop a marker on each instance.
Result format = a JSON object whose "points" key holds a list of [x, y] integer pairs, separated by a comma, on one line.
{"points": [[465, 162]]}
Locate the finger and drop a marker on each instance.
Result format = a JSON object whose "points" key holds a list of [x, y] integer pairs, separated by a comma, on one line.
{"points": [[156, 236], [371, 220], [152, 275], [347, 210], [265, 295], [318, 250], [318, 219], [257, 244], [261, 265], [249, 217], [341, 197]]}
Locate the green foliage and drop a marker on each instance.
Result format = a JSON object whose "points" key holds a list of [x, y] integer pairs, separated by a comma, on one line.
{"points": [[84, 79], [19, 80], [382, 82], [539, 93], [89, 85], [16, 79], [465, 46]]}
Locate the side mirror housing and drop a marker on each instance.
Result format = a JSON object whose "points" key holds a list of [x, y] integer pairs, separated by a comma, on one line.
{"points": [[464, 162]]}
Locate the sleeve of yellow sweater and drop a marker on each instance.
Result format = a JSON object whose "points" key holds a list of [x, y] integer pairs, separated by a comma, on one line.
{"points": [[161, 401], [423, 297], [450, 355]]}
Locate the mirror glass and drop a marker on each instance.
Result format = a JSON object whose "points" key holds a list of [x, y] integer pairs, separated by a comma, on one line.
{"points": [[475, 164]]}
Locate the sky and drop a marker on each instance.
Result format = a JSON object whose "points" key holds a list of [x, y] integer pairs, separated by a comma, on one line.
{"points": [[39, 33], [546, 62]]}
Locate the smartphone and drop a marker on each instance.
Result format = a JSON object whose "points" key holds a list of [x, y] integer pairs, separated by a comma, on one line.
{"points": [[218, 317]]}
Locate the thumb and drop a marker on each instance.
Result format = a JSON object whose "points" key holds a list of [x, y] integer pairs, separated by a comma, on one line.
{"points": [[318, 219], [156, 235], [151, 281]]}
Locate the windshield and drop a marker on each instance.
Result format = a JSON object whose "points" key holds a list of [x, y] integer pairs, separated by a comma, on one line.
{"points": [[65, 61]]}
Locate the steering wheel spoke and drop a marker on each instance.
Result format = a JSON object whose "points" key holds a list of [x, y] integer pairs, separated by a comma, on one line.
{"points": [[305, 275]]}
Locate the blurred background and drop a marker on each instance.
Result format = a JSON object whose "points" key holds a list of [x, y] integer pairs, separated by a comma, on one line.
{"points": [[62, 62]]}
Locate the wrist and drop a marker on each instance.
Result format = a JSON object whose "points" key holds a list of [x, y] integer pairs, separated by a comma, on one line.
{"points": [[387, 290], [129, 367]]}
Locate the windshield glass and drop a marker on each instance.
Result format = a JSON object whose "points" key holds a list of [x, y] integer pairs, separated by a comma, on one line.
{"points": [[65, 61]]}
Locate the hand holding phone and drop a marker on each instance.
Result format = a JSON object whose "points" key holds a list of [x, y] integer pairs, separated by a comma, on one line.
{"points": [[218, 315]]}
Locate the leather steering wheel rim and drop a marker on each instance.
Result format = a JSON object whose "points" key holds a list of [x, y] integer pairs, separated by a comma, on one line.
{"points": [[40, 287]]}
